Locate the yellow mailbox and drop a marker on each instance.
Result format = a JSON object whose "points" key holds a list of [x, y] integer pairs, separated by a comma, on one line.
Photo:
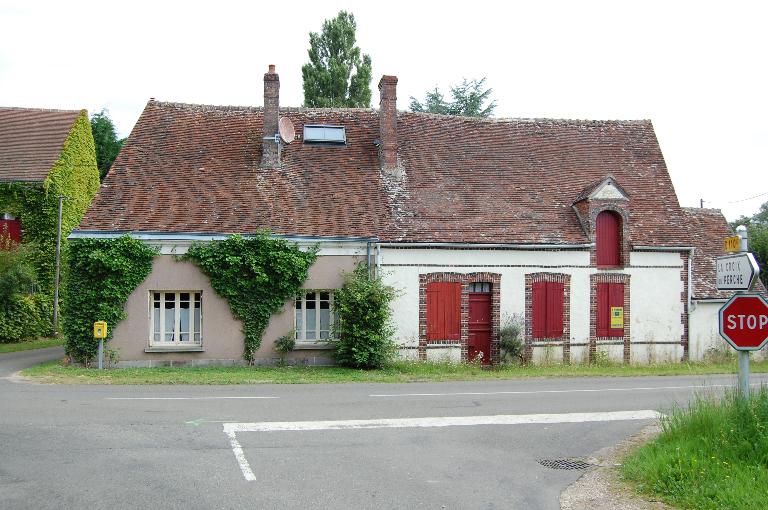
{"points": [[99, 330]]}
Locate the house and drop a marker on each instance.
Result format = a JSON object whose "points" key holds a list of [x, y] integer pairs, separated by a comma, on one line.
{"points": [[44, 154], [708, 228], [572, 224]]}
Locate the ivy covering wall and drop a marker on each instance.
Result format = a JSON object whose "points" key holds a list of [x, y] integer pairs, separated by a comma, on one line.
{"points": [[256, 275], [102, 275], [74, 175]]}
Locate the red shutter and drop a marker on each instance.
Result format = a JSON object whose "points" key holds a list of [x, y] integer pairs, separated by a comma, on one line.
{"points": [[615, 298], [555, 299], [444, 311], [608, 233], [539, 309], [603, 312], [10, 229]]}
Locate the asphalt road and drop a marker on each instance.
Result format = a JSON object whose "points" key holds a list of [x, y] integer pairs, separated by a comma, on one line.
{"points": [[430, 445]]}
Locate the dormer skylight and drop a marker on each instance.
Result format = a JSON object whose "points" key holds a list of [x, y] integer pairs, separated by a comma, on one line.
{"points": [[325, 134]]}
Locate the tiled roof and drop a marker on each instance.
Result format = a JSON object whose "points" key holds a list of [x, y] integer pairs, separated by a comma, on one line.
{"points": [[192, 168], [31, 141]]}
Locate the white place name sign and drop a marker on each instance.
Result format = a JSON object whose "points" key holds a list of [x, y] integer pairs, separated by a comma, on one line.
{"points": [[737, 272]]}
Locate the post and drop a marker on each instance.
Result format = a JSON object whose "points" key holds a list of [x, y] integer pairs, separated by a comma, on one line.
{"points": [[101, 354], [741, 230], [58, 272]]}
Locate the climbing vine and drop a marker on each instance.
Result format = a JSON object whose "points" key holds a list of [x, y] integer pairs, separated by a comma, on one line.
{"points": [[102, 274], [74, 175], [255, 275]]}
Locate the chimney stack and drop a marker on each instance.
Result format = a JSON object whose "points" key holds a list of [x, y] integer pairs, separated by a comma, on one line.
{"points": [[270, 154], [388, 122]]}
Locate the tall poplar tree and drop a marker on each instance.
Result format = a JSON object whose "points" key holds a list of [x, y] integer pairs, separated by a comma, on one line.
{"points": [[107, 144], [329, 80]]}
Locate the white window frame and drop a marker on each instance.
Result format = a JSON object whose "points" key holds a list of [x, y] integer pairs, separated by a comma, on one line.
{"points": [[176, 342], [301, 335]]}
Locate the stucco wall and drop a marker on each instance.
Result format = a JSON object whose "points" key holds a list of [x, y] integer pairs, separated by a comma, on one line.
{"points": [[222, 333], [655, 293]]}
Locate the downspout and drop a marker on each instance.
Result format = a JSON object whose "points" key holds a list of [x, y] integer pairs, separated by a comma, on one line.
{"points": [[378, 259], [368, 258], [690, 309]]}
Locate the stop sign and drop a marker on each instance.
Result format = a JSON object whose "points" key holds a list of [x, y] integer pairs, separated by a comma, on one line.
{"points": [[744, 322]]}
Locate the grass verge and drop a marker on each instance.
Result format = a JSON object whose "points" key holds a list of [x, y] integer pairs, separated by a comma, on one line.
{"points": [[712, 455], [397, 373], [41, 343]]}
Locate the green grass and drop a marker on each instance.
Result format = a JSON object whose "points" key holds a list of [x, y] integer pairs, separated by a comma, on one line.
{"points": [[713, 455], [41, 343], [398, 373]]}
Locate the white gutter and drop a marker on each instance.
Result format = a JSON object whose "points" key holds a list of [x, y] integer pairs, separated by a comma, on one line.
{"points": [[193, 236], [483, 246], [662, 248]]}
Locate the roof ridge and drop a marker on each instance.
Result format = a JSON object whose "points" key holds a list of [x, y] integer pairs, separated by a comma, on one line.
{"points": [[53, 110], [532, 120], [293, 109], [705, 210]]}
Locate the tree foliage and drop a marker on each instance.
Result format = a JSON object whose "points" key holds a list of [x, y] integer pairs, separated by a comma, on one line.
{"points": [[363, 330], [107, 144], [255, 275], [470, 99], [757, 234], [329, 80]]}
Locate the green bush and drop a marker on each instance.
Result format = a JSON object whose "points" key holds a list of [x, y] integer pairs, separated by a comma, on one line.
{"points": [[102, 274], [711, 455], [25, 317], [255, 275], [363, 330], [511, 338]]}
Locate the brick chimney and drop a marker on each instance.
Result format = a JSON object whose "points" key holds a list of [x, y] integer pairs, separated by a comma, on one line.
{"points": [[270, 154], [388, 122]]}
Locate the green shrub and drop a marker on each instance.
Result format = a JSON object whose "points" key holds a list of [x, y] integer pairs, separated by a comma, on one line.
{"points": [[102, 274], [255, 275], [25, 317], [711, 455], [511, 338], [363, 330], [285, 344]]}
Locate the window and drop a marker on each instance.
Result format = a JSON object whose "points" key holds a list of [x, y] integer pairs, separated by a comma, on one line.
{"points": [[10, 228], [610, 310], [314, 316], [444, 311], [325, 134], [176, 318], [547, 309], [480, 287], [608, 239]]}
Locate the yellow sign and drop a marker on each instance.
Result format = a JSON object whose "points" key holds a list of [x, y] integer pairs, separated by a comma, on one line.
{"points": [[99, 330], [732, 244], [617, 317]]}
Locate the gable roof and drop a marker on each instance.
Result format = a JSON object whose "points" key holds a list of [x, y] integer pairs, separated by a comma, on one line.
{"points": [[194, 168], [708, 229], [31, 141]]}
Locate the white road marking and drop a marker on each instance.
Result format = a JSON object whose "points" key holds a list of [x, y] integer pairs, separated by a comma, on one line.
{"points": [[231, 429], [185, 398], [537, 392]]}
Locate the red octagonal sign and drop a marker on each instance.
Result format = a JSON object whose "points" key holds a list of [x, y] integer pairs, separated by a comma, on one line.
{"points": [[744, 322]]}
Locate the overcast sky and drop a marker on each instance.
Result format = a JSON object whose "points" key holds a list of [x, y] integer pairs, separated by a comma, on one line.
{"points": [[696, 69]]}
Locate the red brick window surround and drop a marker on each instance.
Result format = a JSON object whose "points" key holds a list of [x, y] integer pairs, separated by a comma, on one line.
{"points": [[547, 311], [442, 300], [609, 290]]}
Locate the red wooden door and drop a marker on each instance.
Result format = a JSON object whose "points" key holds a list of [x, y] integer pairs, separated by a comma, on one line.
{"points": [[479, 326]]}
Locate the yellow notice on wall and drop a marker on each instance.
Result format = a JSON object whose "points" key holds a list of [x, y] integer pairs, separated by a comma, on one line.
{"points": [[617, 317]]}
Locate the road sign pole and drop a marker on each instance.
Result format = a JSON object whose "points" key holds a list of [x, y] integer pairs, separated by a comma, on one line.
{"points": [[744, 374], [101, 355], [741, 231]]}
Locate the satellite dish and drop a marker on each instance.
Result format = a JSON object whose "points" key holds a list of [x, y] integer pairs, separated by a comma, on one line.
{"points": [[286, 129]]}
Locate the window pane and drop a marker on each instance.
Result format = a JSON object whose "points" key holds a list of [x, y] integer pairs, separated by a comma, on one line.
{"points": [[156, 315], [325, 322], [198, 311], [170, 316], [311, 318], [310, 301], [325, 296], [299, 323], [184, 321]]}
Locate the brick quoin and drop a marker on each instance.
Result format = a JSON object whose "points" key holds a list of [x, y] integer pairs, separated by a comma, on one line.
{"points": [[464, 279]]}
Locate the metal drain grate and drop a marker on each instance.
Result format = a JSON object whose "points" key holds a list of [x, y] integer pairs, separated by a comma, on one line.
{"points": [[564, 463]]}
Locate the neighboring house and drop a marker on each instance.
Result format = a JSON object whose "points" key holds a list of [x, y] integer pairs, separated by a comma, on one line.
{"points": [[44, 154], [574, 224], [708, 229]]}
